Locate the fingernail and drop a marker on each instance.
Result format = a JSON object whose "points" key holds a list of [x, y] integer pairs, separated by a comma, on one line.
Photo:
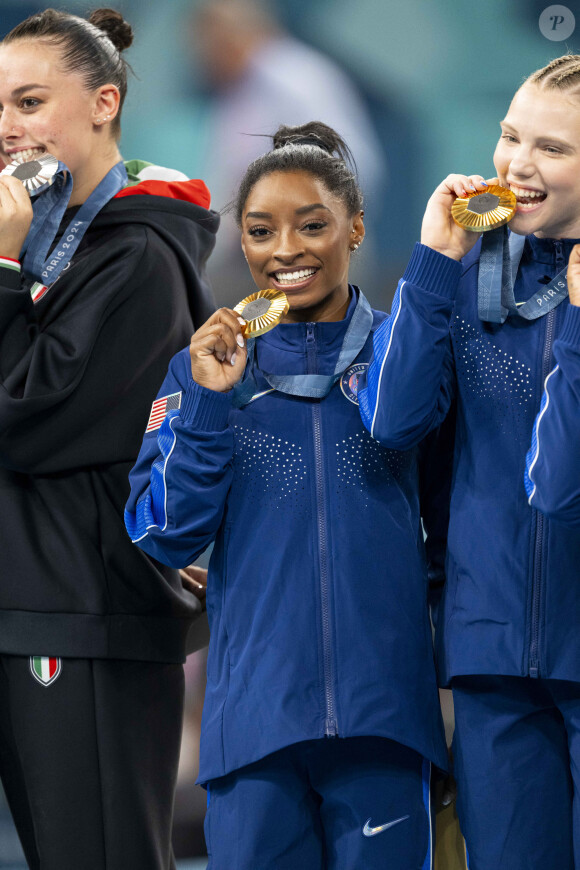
{"points": [[485, 184], [233, 359], [240, 340], [472, 186], [241, 321], [221, 356]]}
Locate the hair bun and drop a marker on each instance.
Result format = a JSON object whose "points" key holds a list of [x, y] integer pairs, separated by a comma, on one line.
{"points": [[113, 24], [314, 133]]}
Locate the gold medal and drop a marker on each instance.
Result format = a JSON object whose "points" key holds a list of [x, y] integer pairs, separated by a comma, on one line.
{"points": [[262, 311], [484, 210], [34, 174]]}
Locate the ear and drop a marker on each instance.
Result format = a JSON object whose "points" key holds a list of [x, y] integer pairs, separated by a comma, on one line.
{"points": [[106, 104], [357, 231]]}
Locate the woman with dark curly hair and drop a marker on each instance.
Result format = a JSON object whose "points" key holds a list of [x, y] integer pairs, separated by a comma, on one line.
{"points": [[321, 719]]}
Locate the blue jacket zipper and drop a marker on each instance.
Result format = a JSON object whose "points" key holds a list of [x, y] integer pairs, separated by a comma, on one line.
{"points": [[540, 523], [331, 727]]}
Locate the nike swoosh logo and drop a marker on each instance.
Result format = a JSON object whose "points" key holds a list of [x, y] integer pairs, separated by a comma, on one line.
{"points": [[372, 832]]}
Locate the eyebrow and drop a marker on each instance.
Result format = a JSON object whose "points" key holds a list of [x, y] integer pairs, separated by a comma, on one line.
{"points": [[306, 208], [302, 210], [546, 138], [17, 92]]}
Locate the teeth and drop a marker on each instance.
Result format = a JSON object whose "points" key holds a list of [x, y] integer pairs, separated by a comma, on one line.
{"points": [[27, 154], [524, 193], [293, 277]]}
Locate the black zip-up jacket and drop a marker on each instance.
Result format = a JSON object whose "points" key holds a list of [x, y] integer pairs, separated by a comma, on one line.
{"points": [[78, 372]]}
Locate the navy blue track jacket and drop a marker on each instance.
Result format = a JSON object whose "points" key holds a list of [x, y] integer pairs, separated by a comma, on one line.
{"points": [[511, 604], [317, 591], [553, 460]]}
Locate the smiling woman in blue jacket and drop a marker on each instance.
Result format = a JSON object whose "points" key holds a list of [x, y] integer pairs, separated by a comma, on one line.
{"points": [[507, 637], [553, 461], [321, 715]]}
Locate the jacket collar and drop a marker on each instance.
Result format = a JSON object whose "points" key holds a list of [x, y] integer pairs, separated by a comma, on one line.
{"points": [[544, 250], [291, 337]]}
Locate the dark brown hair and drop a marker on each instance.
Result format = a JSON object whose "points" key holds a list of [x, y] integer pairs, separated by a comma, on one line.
{"points": [[315, 148], [91, 47]]}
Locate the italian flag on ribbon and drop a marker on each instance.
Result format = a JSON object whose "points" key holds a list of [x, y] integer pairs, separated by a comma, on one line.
{"points": [[45, 669]]}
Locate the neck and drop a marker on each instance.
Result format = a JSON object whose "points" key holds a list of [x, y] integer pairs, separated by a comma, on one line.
{"points": [[329, 310], [86, 180]]}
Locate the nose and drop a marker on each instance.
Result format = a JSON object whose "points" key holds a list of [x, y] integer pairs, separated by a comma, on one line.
{"points": [[521, 162], [289, 246], [9, 128]]}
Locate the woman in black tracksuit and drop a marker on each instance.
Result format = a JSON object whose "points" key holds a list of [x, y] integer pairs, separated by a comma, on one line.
{"points": [[92, 632]]}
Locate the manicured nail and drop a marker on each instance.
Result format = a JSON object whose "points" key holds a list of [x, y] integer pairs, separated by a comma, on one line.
{"points": [[233, 359], [240, 340], [241, 321], [472, 186], [221, 356], [485, 184]]}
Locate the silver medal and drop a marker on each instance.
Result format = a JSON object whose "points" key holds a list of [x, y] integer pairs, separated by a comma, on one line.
{"points": [[36, 175]]}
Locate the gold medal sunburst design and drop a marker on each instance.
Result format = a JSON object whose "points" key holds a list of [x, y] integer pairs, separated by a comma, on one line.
{"points": [[262, 311], [484, 210], [33, 174]]}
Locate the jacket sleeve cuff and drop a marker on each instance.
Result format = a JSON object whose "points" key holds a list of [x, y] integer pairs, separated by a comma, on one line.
{"points": [[570, 332], [433, 271], [207, 409], [10, 273]]}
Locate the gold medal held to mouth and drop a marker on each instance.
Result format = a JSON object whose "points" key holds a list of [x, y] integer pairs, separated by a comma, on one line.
{"points": [[262, 311], [484, 210], [34, 174]]}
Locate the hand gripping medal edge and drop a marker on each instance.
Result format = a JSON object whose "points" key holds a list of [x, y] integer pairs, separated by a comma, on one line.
{"points": [[485, 210], [262, 311]]}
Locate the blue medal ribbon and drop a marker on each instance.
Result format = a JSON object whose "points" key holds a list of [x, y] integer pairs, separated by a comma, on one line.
{"points": [[49, 210], [310, 386], [498, 266]]}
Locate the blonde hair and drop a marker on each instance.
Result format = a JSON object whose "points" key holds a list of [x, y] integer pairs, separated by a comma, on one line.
{"points": [[561, 74]]}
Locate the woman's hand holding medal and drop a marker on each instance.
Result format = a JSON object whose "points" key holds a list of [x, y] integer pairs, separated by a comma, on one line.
{"points": [[573, 276], [439, 231], [218, 352], [15, 216]]}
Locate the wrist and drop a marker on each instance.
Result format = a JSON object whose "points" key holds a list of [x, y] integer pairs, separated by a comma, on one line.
{"points": [[12, 262], [452, 253]]}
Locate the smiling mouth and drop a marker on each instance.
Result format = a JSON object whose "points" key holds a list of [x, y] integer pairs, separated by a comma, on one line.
{"points": [[527, 198], [26, 155], [296, 277]]}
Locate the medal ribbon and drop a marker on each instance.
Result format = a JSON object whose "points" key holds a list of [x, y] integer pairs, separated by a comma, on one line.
{"points": [[498, 266], [48, 213], [311, 386]]}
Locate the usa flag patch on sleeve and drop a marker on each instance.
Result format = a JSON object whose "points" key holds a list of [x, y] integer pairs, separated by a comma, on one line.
{"points": [[160, 408]]}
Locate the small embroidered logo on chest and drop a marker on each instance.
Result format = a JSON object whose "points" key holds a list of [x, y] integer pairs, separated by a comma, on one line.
{"points": [[349, 381]]}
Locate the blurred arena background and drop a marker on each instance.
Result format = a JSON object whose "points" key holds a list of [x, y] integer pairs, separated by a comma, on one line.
{"points": [[416, 87]]}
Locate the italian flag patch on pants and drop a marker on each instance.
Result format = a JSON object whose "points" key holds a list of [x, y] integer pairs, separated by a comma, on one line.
{"points": [[45, 669]]}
